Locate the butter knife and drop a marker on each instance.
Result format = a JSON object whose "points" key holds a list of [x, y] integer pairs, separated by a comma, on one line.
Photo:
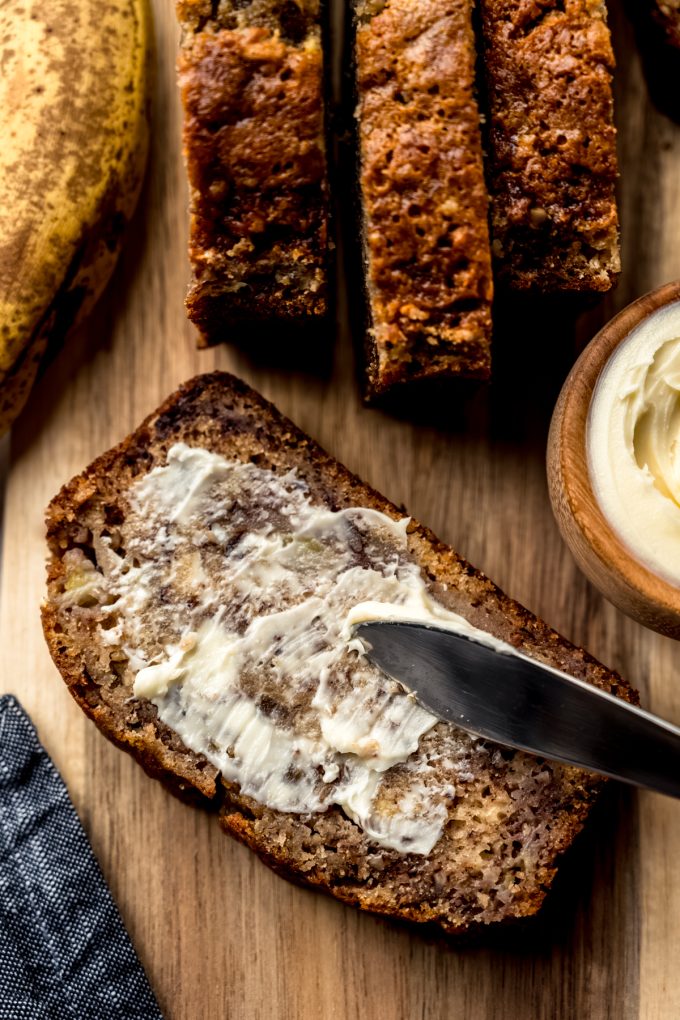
{"points": [[511, 699]]}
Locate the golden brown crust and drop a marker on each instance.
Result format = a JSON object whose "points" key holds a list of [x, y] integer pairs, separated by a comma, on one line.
{"points": [[255, 153], [536, 809], [422, 193], [552, 144]]}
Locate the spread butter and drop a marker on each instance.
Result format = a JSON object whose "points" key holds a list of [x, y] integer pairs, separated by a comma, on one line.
{"points": [[253, 590]]}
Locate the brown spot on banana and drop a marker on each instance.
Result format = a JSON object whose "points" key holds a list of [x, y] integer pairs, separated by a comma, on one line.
{"points": [[74, 122]]}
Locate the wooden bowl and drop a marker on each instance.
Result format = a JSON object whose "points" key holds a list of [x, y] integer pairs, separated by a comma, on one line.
{"points": [[598, 550]]}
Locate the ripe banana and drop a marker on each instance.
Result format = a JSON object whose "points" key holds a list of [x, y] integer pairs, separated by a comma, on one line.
{"points": [[74, 130]]}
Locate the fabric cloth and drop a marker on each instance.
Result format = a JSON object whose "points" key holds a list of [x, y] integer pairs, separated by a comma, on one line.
{"points": [[64, 952]]}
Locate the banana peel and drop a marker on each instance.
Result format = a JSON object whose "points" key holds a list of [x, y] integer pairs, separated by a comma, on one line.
{"points": [[74, 86]]}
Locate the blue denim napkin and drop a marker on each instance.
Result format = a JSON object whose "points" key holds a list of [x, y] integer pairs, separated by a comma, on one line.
{"points": [[64, 952]]}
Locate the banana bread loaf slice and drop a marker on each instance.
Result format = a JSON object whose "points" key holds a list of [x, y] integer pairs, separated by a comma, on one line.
{"points": [[552, 144], [202, 581], [666, 15], [421, 192], [252, 85]]}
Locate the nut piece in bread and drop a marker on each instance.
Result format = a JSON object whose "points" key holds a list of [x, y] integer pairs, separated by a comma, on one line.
{"points": [[252, 84], [510, 816], [421, 193], [552, 145]]}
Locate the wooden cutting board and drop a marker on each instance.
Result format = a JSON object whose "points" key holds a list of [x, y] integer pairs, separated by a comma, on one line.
{"points": [[219, 934]]}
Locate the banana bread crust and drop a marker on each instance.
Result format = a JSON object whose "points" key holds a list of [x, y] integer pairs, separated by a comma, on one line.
{"points": [[421, 191], [252, 86], [552, 144], [535, 808]]}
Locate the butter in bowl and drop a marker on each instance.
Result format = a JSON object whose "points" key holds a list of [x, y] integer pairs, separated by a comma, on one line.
{"points": [[614, 460]]}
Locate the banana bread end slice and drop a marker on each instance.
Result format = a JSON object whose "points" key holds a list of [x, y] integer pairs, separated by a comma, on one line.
{"points": [[666, 15]]}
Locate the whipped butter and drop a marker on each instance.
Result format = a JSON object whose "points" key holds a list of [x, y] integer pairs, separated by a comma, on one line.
{"points": [[633, 442], [254, 591]]}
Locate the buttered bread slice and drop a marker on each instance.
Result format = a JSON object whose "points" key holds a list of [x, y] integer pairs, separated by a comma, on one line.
{"points": [[203, 583]]}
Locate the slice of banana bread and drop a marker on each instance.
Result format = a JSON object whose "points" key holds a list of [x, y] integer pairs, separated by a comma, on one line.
{"points": [[666, 15], [552, 144], [252, 85], [421, 192], [198, 580]]}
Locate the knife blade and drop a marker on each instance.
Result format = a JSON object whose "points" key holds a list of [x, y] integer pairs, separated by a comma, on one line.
{"points": [[517, 701]]}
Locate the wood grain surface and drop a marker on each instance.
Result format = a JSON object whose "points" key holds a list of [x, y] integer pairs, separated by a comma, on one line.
{"points": [[219, 934]]}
